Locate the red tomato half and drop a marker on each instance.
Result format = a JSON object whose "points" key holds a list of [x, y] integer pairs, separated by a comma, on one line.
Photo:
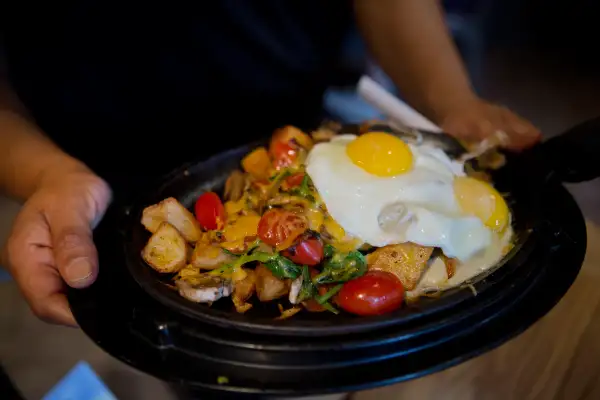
{"points": [[284, 154], [375, 293], [294, 180], [307, 252], [210, 211], [280, 228]]}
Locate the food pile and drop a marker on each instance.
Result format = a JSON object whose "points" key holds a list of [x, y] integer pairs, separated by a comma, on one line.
{"points": [[327, 222]]}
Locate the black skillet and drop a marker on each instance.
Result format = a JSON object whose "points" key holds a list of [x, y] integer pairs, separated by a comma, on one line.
{"points": [[187, 183], [137, 321]]}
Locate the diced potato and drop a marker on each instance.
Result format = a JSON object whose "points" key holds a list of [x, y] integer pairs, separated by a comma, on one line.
{"points": [[289, 133], [171, 211], [407, 261], [268, 287], [243, 290], [257, 163], [208, 256], [166, 251]]}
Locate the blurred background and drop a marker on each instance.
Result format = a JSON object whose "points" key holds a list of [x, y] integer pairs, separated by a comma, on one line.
{"points": [[537, 57]]}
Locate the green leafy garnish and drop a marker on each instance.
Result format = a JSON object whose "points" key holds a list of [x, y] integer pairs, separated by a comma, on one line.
{"points": [[328, 251], [308, 289], [281, 175], [330, 308], [279, 266], [342, 267], [332, 292], [304, 189], [282, 267]]}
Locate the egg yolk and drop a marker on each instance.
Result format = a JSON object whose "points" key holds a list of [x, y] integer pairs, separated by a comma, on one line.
{"points": [[481, 200], [380, 154]]}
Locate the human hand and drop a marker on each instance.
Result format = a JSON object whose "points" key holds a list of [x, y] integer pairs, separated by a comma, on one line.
{"points": [[51, 240], [478, 119]]}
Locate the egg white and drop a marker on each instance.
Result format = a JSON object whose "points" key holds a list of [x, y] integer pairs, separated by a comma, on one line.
{"points": [[418, 206]]}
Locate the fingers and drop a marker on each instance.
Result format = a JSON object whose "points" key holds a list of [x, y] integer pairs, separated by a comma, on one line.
{"points": [[74, 251], [522, 133], [484, 120], [30, 259], [55, 309]]}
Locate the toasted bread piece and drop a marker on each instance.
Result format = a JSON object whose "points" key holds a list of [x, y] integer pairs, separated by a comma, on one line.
{"points": [[209, 256], [166, 251], [407, 261], [171, 211]]}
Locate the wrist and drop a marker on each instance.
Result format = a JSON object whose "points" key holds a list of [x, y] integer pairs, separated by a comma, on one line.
{"points": [[444, 106]]}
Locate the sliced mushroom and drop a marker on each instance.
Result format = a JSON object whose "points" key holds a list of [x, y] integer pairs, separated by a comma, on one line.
{"points": [[295, 289], [234, 186], [203, 288]]}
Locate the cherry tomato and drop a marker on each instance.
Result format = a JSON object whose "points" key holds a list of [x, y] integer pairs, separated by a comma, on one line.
{"points": [[284, 154], [280, 228], [375, 293], [307, 252], [285, 145], [294, 180], [210, 211]]}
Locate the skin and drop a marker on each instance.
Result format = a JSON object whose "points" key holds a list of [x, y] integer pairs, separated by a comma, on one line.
{"points": [[51, 241]]}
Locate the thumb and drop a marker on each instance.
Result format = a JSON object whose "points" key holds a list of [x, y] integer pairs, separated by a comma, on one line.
{"points": [[74, 251]]}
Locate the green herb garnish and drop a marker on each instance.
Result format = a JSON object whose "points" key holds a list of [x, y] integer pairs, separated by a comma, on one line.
{"points": [[282, 267], [342, 267], [308, 289], [332, 292], [328, 251], [279, 266]]}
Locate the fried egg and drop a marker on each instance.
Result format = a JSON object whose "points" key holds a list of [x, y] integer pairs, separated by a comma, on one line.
{"points": [[382, 190]]}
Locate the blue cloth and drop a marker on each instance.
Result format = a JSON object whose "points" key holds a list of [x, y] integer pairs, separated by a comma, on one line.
{"points": [[81, 383]]}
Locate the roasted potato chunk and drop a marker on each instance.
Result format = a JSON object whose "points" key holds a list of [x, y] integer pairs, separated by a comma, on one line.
{"points": [[171, 211], [208, 256], [166, 251], [268, 287], [407, 261], [243, 290]]}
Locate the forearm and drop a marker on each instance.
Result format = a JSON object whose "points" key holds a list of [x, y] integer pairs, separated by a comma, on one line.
{"points": [[26, 155], [411, 42]]}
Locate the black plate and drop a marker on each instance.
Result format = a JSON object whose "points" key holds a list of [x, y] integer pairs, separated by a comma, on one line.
{"points": [[193, 352], [132, 326], [188, 182]]}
